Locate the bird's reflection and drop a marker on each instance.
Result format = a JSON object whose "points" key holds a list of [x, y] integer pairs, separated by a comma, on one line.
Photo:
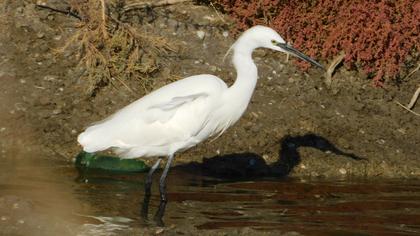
{"points": [[250, 166]]}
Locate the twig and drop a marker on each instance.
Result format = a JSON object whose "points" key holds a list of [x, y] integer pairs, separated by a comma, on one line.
{"points": [[335, 62], [161, 3], [406, 108], [413, 71], [104, 32], [414, 99], [217, 13], [66, 12]]}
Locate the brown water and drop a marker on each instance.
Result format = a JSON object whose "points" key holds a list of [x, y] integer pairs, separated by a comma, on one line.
{"points": [[45, 198]]}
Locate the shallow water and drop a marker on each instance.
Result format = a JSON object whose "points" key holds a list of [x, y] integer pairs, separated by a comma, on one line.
{"points": [[41, 198]]}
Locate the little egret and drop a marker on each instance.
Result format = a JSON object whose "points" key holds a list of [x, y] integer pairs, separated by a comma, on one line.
{"points": [[182, 114]]}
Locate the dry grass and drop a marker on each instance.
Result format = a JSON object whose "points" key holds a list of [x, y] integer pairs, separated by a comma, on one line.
{"points": [[110, 50]]}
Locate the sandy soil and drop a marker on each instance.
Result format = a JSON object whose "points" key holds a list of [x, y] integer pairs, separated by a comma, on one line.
{"points": [[292, 126]]}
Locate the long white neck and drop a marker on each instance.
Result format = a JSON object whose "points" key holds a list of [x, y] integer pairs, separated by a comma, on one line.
{"points": [[247, 73]]}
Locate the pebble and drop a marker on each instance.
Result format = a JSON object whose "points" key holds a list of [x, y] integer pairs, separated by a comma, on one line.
{"points": [[213, 68], [342, 171], [19, 10], [225, 34], [40, 35], [381, 141], [44, 48], [56, 111], [266, 157], [159, 231], [2, 129], [50, 77], [201, 34]]}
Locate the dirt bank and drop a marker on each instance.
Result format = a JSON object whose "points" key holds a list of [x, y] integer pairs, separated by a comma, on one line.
{"points": [[290, 109]]}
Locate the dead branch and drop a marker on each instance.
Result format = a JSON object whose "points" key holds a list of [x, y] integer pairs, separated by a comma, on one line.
{"points": [[412, 102], [406, 108], [413, 71], [414, 99], [66, 12], [335, 62], [104, 18], [141, 5]]}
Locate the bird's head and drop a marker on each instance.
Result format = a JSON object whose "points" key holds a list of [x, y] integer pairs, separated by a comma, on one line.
{"points": [[265, 37]]}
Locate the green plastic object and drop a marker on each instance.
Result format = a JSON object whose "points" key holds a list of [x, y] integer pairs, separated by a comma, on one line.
{"points": [[87, 160]]}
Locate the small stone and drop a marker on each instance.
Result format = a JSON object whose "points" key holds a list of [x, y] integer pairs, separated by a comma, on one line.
{"points": [[3, 218], [50, 17], [381, 141], [40, 35], [50, 77], [225, 34], [342, 171], [41, 2], [201, 34], [265, 157], [159, 231], [21, 221], [2, 129], [213, 68], [44, 48]]}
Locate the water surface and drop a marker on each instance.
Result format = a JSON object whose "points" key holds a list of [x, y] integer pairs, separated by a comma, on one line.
{"points": [[43, 198]]}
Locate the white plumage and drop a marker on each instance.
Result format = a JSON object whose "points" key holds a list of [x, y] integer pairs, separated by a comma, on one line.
{"points": [[186, 112]]}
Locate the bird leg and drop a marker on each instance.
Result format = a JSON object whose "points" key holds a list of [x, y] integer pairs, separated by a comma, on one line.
{"points": [[162, 188], [147, 189]]}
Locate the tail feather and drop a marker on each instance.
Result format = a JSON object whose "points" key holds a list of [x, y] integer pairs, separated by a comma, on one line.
{"points": [[93, 139]]}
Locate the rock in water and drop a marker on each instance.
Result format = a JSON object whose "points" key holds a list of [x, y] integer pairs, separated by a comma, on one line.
{"points": [[87, 160]]}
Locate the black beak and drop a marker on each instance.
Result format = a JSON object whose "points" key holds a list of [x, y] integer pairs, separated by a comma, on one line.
{"points": [[286, 47]]}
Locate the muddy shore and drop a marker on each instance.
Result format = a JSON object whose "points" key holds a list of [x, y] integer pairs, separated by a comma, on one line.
{"points": [[294, 125]]}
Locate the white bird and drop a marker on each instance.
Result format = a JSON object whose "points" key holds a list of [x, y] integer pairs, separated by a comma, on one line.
{"points": [[182, 114]]}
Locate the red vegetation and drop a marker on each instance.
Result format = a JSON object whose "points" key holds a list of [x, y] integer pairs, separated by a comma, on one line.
{"points": [[379, 36]]}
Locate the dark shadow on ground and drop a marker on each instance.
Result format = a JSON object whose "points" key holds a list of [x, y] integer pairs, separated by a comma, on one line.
{"points": [[250, 165]]}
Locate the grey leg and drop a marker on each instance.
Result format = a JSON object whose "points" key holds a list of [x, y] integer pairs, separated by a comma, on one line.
{"points": [[147, 189], [162, 188], [148, 183]]}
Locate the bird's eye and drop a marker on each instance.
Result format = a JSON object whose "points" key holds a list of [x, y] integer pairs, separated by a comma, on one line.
{"points": [[274, 42]]}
